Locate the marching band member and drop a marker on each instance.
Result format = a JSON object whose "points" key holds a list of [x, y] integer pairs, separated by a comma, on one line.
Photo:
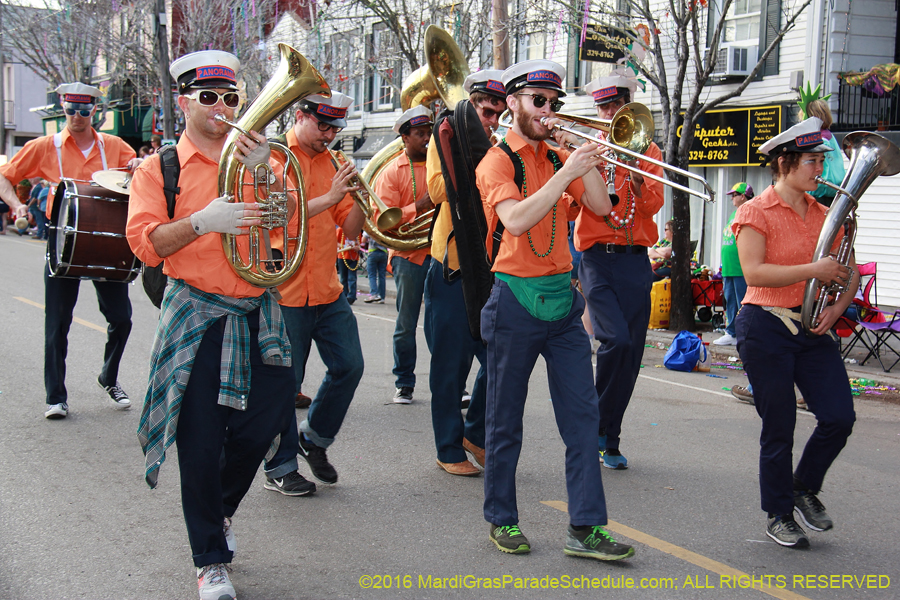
{"points": [[74, 153], [777, 233], [615, 273], [446, 326], [533, 310], [403, 184], [313, 302], [221, 386]]}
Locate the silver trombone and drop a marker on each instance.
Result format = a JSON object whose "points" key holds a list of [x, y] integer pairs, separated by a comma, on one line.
{"points": [[624, 123]]}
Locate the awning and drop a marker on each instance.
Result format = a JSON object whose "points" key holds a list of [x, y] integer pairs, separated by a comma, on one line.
{"points": [[375, 140]]}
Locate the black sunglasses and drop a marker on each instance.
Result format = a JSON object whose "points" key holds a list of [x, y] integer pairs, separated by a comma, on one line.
{"points": [[211, 98], [539, 101], [84, 113], [323, 127]]}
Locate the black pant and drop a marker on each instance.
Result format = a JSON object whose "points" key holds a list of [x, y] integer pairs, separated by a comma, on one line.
{"points": [[60, 296], [210, 489]]}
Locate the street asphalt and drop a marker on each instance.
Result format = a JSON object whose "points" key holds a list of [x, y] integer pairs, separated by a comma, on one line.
{"points": [[78, 521]]}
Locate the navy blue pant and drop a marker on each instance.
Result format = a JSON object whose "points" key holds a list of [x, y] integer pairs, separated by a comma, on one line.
{"points": [[452, 350], [210, 489], [617, 290], [346, 269], [333, 327], [60, 296], [515, 339], [774, 360], [410, 281]]}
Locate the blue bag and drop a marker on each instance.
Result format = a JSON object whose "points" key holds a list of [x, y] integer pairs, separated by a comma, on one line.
{"points": [[684, 352]]}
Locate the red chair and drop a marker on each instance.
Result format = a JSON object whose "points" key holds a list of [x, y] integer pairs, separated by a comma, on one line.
{"points": [[864, 309]]}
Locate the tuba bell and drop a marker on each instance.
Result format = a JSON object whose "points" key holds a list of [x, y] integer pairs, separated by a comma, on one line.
{"points": [[443, 78], [293, 80], [870, 156]]}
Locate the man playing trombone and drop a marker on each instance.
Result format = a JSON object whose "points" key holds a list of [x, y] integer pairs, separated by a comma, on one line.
{"points": [[527, 190], [615, 272]]}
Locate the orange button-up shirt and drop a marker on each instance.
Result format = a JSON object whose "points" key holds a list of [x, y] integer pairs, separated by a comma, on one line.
{"points": [[395, 187], [495, 176], [444, 224], [591, 229], [38, 159], [201, 263], [316, 281], [790, 240]]}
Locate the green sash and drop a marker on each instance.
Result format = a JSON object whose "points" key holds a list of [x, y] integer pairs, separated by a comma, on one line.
{"points": [[548, 298]]}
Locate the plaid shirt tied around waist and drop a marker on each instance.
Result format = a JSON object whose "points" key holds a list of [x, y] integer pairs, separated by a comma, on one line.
{"points": [[187, 313]]}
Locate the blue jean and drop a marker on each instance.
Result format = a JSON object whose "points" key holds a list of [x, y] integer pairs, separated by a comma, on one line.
{"points": [[40, 220], [347, 273], [734, 289], [60, 296], [220, 448], [376, 265], [410, 281], [333, 327], [452, 350], [774, 360], [514, 340], [617, 290]]}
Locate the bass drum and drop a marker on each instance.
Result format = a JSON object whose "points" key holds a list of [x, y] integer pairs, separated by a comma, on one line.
{"points": [[87, 234]]}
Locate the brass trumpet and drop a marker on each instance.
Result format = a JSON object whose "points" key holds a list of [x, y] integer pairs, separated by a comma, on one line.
{"points": [[368, 201]]}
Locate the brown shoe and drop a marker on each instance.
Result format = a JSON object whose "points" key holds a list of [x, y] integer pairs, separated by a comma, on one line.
{"points": [[742, 394], [476, 452], [801, 404], [302, 400], [464, 468]]}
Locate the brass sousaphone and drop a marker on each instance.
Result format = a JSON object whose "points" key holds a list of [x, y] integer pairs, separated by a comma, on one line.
{"points": [[443, 78]]}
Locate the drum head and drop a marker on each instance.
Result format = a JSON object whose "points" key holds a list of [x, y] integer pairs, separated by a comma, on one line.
{"points": [[62, 216], [115, 181]]}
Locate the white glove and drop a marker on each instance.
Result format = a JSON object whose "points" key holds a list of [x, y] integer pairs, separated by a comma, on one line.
{"points": [[220, 216], [258, 156]]}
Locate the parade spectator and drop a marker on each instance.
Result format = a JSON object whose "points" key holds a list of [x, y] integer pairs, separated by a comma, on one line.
{"points": [[660, 254], [833, 170], [376, 267], [733, 284], [348, 264]]}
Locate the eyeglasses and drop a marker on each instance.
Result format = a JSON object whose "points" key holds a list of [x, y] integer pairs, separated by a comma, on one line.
{"points": [[323, 127], [539, 101], [212, 97], [490, 113], [84, 113]]}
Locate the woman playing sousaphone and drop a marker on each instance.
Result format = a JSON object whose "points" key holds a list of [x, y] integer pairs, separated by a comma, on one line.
{"points": [[776, 236]]}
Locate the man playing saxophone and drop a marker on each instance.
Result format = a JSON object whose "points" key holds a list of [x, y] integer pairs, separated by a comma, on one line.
{"points": [[212, 321]]}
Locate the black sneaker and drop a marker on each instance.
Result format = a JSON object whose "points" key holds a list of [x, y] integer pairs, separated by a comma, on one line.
{"points": [[292, 484], [785, 531], [510, 539], [595, 542], [116, 395], [812, 511], [403, 395], [318, 461]]}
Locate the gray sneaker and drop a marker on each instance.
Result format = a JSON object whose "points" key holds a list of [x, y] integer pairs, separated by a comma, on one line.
{"points": [[785, 531], [57, 411], [812, 511], [510, 539], [595, 542]]}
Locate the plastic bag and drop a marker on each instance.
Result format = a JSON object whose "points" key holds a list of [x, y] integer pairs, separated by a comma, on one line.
{"points": [[684, 352], [660, 302]]}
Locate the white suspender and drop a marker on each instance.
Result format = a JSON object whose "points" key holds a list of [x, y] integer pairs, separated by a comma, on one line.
{"points": [[57, 141]]}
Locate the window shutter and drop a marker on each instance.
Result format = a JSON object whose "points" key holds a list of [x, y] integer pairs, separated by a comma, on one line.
{"points": [[771, 23]]}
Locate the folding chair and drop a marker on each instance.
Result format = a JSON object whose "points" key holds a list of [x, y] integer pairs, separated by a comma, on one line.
{"points": [[883, 332], [864, 309]]}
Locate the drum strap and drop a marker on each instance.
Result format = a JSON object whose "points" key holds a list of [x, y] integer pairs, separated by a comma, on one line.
{"points": [[57, 141]]}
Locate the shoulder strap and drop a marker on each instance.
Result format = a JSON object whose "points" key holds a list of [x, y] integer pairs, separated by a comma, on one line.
{"points": [[519, 178], [171, 170]]}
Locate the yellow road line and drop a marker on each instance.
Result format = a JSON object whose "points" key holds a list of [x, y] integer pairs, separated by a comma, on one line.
{"points": [[684, 554], [76, 319]]}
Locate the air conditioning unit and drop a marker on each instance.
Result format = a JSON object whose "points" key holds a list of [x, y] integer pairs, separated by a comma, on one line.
{"points": [[736, 59]]}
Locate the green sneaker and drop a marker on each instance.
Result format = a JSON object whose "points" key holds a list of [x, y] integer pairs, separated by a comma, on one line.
{"points": [[510, 539], [595, 543]]}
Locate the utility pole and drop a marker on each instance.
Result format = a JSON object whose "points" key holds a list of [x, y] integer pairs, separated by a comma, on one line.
{"points": [[500, 33], [166, 91]]}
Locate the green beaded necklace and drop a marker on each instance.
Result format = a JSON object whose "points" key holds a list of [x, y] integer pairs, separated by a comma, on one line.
{"points": [[412, 173], [556, 165]]}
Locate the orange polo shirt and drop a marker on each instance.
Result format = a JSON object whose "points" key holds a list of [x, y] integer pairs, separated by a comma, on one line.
{"points": [[395, 188], [790, 240], [591, 229], [495, 176], [201, 263], [444, 224], [316, 281], [38, 159]]}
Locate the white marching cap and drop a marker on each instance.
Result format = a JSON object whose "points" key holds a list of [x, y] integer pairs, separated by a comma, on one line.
{"points": [[488, 81], [537, 73], [805, 136], [414, 117], [78, 93]]}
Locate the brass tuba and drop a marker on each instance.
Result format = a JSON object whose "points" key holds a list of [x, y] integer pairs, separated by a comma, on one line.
{"points": [[443, 78], [871, 156], [293, 80]]}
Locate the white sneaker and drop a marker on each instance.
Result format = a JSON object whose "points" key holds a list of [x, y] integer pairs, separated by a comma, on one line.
{"points": [[229, 535], [726, 340], [57, 411], [214, 583]]}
